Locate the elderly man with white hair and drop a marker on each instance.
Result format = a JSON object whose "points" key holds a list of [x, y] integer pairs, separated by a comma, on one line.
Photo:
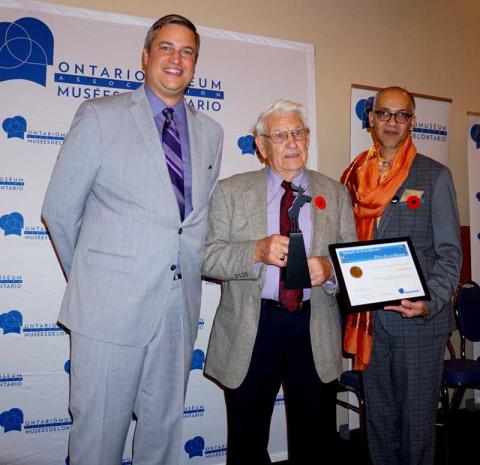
{"points": [[265, 336]]}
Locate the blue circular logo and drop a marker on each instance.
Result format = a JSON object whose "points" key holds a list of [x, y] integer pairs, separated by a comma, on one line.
{"points": [[362, 109], [475, 134]]}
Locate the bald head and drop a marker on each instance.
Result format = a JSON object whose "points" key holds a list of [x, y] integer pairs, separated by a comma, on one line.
{"points": [[394, 90]]}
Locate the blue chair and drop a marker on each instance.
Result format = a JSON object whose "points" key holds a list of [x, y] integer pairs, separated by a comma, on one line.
{"points": [[351, 381], [459, 372]]}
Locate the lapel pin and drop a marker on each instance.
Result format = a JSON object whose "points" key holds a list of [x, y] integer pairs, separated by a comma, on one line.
{"points": [[413, 202], [320, 202]]}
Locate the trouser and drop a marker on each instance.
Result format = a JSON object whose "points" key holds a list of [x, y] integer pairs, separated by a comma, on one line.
{"points": [[402, 389], [282, 353], [110, 382]]}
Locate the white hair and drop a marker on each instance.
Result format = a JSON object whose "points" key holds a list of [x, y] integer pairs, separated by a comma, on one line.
{"points": [[280, 106]]}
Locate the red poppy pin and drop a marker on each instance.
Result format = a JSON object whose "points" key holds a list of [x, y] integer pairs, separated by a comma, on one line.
{"points": [[320, 202], [413, 202]]}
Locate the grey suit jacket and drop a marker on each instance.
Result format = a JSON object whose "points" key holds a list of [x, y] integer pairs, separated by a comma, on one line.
{"points": [[115, 223], [237, 219], [434, 228]]}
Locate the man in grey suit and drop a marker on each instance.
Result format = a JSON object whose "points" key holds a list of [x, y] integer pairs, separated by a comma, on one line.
{"points": [[129, 233], [399, 192], [260, 339]]}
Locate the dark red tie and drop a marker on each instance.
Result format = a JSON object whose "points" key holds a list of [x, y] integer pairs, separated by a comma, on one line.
{"points": [[289, 298]]}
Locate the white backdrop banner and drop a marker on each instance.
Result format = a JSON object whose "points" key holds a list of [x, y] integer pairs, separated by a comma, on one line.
{"points": [[473, 148], [430, 134], [53, 57]]}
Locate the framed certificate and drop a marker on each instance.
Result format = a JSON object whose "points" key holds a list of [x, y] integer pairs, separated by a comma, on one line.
{"points": [[377, 273]]}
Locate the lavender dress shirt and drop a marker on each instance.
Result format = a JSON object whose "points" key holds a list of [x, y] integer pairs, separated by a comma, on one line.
{"points": [[275, 192], [180, 117]]}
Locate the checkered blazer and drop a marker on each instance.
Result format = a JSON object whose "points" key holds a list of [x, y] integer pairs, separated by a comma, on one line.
{"points": [[434, 228]]}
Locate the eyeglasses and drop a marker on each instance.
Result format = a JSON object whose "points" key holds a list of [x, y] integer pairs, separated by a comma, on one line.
{"points": [[400, 116], [282, 136]]}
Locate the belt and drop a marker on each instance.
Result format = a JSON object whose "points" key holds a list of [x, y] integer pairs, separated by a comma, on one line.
{"points": [[178, 276], [276, 305]]}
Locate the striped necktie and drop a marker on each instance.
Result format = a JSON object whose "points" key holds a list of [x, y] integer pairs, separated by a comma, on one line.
{"points": [[173, 155]]}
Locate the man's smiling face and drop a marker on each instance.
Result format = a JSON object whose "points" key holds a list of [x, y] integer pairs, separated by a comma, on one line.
{"points": [[170, 62]]}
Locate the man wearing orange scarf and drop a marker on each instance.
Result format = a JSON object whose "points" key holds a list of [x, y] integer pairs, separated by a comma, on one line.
{"points": [[398, 192]]}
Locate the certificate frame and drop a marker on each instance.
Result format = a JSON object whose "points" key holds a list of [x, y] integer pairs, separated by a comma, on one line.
{"points": [[392, 261]]}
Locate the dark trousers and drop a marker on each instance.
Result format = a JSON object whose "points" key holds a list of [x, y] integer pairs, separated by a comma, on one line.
{"points": [[282, 354]]}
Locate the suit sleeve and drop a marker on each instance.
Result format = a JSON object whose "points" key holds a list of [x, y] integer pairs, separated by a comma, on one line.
{"points": [[71, 183], [226, 260], [443, 277]]}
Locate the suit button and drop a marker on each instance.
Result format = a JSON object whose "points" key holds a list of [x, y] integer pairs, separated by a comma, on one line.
{"points": [[394, 200], [180, 231], [173, 267]]}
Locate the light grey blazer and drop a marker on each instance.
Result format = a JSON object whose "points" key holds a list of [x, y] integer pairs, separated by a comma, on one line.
{"points": [[237, 219], [114, 220]]}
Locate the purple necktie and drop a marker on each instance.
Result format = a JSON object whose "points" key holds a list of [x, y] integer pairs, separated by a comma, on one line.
{"points": [[173, 155], [289, 298]]}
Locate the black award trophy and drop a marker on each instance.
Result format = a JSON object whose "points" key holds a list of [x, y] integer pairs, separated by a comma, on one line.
{"points": [[296, 272]]}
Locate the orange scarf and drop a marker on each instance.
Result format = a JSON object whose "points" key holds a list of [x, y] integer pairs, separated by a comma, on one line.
{"points": [[370, 198]]}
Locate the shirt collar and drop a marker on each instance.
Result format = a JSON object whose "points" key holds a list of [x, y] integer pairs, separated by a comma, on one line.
{"points": [[274, 180], [158, 105], [383, 165]]}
